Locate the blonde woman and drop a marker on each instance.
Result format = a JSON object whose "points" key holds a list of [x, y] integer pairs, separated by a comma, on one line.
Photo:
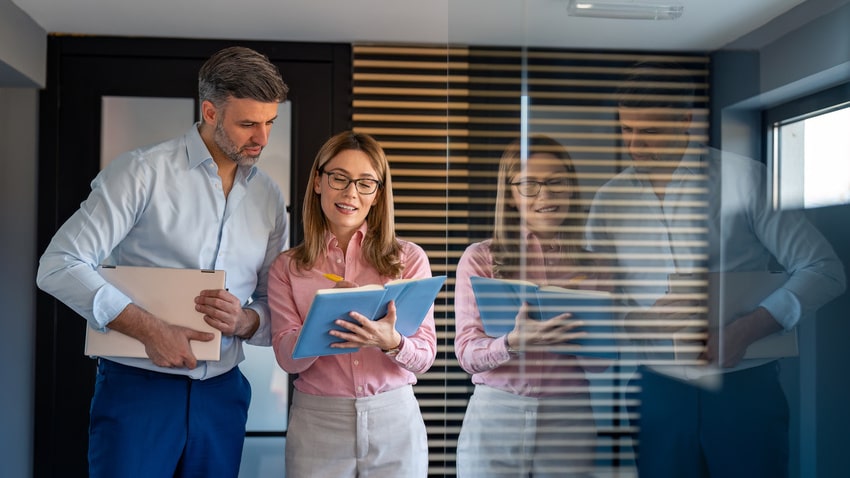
{"points": [[352, 414]]}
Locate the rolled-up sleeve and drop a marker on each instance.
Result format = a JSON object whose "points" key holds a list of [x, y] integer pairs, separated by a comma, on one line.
{"points": [[68, 268]]}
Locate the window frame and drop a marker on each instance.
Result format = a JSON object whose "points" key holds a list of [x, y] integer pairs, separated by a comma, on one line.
{"points": [[798, 109]]}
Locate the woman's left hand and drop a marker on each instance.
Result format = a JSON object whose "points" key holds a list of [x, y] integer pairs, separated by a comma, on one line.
{"points": [[363, 332]]}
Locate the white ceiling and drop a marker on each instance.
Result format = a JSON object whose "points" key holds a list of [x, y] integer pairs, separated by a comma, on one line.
{"points": [[705, 25]]}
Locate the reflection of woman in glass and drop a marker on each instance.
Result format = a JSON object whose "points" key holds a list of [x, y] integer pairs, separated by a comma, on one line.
{"points": [[352, 414], [530, 413]]}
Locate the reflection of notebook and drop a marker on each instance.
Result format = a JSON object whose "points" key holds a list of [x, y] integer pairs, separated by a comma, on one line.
{"points": [[499, 301], [167, 293], [733, 294]]}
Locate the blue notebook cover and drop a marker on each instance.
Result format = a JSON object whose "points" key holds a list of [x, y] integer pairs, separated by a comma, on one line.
{"points": [[499, 301], [413, 298]]}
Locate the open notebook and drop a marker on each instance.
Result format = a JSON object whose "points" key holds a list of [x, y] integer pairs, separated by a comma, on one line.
{"points": [[413, 299]]}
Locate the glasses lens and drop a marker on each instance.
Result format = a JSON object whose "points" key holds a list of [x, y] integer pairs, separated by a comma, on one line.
{"points": [[366, 186], [558, 185], [338, 181], [527, 188]]}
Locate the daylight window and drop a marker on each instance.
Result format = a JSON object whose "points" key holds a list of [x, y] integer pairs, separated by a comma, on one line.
{"points": [[811, 159]]}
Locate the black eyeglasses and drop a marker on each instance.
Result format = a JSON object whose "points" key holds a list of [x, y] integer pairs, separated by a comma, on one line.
{"points": [[340, 182], [532, 188]]}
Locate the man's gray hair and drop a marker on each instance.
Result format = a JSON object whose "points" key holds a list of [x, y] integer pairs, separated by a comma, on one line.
{"points": [[240, 72]]}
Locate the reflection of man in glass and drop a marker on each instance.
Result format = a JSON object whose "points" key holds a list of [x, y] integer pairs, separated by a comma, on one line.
{"points": [[678, 210]]}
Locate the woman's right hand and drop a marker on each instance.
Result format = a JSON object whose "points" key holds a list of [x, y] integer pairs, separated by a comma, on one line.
{"points": [[528, 333]]}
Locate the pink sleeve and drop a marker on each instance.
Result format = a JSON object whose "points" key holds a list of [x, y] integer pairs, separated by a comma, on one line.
{"points": [[418, 351], [476, 351], [285, 319]]}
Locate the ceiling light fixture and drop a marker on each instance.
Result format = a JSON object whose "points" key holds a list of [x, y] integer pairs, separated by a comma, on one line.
{"points": [[624, 9]]}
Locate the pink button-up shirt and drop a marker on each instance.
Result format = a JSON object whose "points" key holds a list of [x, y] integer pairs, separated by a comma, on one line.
{"points": [[533, 373], [363, 373]]}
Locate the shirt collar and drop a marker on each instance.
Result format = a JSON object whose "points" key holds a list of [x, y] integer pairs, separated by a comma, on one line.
{"points": [[690, 159], [532, 241], [357, 237], [195, 147]]}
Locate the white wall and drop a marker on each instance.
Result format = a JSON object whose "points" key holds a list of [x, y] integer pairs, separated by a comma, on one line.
{"points": [[814, 56], [23, 48], [795, 62], [18, 161], [23, 65]]}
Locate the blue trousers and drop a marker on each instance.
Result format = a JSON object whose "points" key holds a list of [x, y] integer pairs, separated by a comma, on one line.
{"points": [[150, 424], [688, 431]]}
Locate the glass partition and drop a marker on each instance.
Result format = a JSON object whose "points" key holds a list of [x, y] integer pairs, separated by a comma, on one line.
{"points": [[536, 117], [522, 162], [643, 231]]}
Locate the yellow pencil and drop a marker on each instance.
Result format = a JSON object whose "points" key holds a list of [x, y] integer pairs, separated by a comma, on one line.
{"points": [[333, 277]]}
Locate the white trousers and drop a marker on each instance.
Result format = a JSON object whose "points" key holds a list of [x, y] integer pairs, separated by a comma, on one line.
{"points": [[507, 435], [371, 437]]}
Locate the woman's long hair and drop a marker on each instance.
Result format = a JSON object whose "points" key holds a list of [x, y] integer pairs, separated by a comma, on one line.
{"points": [[380, 246], [507, 243]]}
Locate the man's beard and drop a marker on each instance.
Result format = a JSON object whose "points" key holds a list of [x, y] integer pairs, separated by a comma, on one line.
{"points": [[229, 148]]}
